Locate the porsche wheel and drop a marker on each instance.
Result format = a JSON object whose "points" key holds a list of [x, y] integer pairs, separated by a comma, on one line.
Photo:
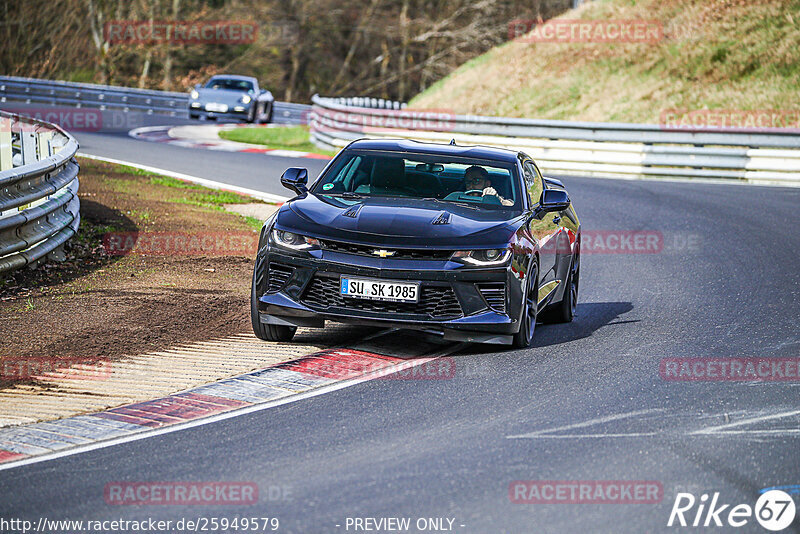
{"points": [[269, 110]]}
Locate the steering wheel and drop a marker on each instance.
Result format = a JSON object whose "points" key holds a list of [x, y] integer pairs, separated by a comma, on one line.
{"points": [[474, 191]]}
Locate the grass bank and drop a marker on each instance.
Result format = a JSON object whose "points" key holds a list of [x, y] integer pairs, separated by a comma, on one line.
{"points": [[714, 54]]}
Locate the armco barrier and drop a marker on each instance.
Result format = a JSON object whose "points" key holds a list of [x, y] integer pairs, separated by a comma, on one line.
{"points": [[573, 148], [39, 206], [58, 93]]}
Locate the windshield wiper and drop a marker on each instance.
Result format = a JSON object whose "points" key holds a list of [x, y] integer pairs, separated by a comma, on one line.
{"points": [[347, 194], [464, 203]]}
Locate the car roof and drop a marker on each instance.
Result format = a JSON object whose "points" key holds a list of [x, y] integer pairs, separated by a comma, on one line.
{"points": [[233, 77], [418, 147]]}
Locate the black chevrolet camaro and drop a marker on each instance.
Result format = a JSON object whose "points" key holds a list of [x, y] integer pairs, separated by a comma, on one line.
{"points": [[470, 243]]}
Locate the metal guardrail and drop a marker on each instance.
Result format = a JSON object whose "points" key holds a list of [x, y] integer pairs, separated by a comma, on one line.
{"points": [[39, 206], [575, 148], [367, 102], [126, 99]]}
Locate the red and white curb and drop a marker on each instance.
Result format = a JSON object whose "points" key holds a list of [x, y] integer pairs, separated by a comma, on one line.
{"points": [[206, 137], [288, 381]]}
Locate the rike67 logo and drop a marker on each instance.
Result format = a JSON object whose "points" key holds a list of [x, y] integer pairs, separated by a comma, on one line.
{"points": [[774, 510]]}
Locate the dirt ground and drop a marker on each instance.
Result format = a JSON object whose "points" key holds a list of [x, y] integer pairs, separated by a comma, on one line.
{"points": [[109, 305]]}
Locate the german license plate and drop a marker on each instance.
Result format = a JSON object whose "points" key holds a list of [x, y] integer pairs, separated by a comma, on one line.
{"points": [[363, 288], [213, 106]]}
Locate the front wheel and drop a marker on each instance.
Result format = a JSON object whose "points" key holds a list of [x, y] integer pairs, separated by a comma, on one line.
{"points": [[269, 108], [266, 332], [530, 304]]}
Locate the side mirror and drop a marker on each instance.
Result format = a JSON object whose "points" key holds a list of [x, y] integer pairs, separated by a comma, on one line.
{"points": [[554, 200], [553, 181], [295, 178]]}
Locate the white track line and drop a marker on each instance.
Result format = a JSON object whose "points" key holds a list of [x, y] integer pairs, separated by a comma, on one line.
{"points": [[548, 432], [380, 373], [266, 197], [722, 429]]}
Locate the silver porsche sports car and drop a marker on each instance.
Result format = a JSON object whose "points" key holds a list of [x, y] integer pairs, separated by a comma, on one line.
{"points": [[231, 96]]}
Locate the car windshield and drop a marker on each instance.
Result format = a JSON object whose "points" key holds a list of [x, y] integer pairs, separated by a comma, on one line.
{"points": [[480, 183], [230, 84]]}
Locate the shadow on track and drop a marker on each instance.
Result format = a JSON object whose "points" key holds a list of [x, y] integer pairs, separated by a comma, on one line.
{"points": [[590, 317]]}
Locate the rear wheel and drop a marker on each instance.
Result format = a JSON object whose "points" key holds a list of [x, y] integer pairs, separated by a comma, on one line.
{"points": [[564, 311], [524, 337], [266, 332]]}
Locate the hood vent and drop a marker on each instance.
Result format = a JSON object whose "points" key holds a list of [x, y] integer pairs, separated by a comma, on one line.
{"points": [[352, 211], [442, 218]]}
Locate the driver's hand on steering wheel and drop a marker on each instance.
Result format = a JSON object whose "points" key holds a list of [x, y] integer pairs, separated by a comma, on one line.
{"points": [[491, 191]]}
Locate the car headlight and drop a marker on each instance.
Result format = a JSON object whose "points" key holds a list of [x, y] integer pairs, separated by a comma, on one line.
{"points": [[246, 99], [483, 258], [194, 94], [291, 240]]}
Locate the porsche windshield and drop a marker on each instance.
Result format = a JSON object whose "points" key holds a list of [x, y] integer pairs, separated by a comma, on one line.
{"points": [[229, 84], [484, 183]]}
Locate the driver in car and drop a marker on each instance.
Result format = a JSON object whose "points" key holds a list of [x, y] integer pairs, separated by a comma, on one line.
{"points": [[476, 178]]}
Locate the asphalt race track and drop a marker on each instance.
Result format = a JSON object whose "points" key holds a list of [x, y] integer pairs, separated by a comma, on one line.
{"points": [[253, 171], [587, 402]]}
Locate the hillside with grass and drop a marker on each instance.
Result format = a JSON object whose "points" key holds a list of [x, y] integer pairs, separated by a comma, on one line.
{"points": [[714, 54]]}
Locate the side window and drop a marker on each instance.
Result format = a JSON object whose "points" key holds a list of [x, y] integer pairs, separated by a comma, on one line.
{"points": [[533, 182]]}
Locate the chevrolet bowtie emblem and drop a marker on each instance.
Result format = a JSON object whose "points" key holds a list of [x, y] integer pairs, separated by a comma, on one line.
{"points": [[383, 253]]}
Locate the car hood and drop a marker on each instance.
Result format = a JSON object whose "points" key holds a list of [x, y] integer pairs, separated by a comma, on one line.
{"points": [[221, 96], [398, 222]]}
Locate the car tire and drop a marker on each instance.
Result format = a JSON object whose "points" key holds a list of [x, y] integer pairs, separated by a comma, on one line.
{"points": [[251, 115], [266, 332], [269, 109], [564, 311], [530, 303]]}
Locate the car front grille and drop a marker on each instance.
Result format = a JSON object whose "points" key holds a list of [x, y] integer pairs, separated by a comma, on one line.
{"points": [[435, 302], [494, 293], [369, 250], [278, 276]]}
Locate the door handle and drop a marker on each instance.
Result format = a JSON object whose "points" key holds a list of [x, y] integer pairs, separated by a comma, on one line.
{"points": [[556, 219]]}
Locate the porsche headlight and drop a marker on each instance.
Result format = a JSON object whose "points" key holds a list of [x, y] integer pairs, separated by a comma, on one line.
{"points": [[246, 99], [483, 258], [194, 94], [292, 241]]}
